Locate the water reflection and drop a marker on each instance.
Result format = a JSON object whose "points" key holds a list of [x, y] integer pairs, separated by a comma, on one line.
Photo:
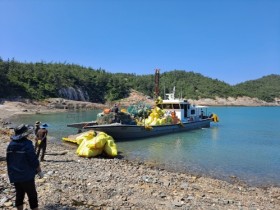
{"points": [[214, 132]]}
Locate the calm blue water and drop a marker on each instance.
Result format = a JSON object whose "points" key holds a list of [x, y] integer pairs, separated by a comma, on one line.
{"points": [[245, 143]]}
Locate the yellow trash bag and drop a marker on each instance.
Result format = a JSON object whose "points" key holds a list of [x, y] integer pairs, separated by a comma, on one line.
{"points": [[156, 121], [81, 146], [84, 151], [111, 148], [162, 121], [215, 118], [138, 122], [158, 100], [98, 141], [157, 109], [69, 140], [72, 138], [152, 115], [148, 127], [87, 152], [87, 135], [148, 120], [161, 112]]}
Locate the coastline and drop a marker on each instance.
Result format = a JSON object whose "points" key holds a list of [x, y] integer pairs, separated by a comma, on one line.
{"points": [[51, 105], [230, 101], [26, 106], [72, 182]]}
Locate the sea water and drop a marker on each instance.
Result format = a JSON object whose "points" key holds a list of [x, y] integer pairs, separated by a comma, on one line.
{"points": [[244, 144]]}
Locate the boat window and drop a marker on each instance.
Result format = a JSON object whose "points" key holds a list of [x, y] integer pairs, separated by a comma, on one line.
{"points": [[192, 111], [160, 106], [171, 106], [176, 106], [185, 110], [166, 106]]}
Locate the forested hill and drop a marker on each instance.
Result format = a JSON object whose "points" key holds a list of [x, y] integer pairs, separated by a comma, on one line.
{"points": [[266, 88], [47, 80]]}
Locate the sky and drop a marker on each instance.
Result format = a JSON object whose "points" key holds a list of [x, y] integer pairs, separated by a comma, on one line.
{"points": [[229, 40]]}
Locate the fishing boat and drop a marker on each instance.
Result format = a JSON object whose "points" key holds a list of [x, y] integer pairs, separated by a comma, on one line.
{"points": [[188, 116], [184, 117]]}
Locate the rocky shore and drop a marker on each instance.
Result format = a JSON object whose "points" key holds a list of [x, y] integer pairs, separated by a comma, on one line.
{"points": [[25, 106], [230, 101], [72, 182]]}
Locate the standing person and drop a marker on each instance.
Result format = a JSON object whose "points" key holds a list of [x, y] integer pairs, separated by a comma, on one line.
{"points": [[23, 165], [115, 109], [42, 140], [37, 127]]}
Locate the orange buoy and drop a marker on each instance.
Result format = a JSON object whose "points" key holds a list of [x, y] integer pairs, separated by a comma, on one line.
{"points": [[106, 111]]}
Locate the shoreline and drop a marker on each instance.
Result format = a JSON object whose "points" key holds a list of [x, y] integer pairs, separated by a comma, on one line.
{"points": [[100, 183], [103, 183], [25, 106], [10, 109]]}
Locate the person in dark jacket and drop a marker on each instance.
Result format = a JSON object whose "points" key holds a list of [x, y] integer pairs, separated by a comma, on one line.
{"points": [[42, 141], [115, 109], [23, 165]]}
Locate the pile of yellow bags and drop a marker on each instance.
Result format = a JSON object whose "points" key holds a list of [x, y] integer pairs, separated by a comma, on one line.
{"points": [[92, 144], [158, 117]]}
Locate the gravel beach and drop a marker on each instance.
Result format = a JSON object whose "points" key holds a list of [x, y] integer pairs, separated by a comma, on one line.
{"points": [[73, 182]]}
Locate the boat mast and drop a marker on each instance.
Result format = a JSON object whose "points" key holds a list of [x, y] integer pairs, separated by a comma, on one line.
{"points": [[157, 83]]}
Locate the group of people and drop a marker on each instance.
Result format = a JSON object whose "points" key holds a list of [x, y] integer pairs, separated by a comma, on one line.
{"points": [[23, 162]]}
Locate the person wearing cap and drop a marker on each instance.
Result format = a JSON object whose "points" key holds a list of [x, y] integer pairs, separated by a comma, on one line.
{"points": [[22, 166], [42, 140], [37, 127]]}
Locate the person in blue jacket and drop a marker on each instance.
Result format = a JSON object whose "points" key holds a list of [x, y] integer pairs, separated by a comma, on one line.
{"points": [[23, 165]]}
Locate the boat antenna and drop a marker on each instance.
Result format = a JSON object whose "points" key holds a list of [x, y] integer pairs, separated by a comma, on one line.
{"points": [[157, 83]]}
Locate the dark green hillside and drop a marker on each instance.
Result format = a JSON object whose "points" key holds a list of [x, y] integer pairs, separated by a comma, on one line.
{"points": [[188, 84], [44, 80], [194, 85], [266, 88]]}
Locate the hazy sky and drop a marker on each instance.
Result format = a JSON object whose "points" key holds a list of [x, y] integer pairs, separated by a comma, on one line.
{"points": [[231, 40]]}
